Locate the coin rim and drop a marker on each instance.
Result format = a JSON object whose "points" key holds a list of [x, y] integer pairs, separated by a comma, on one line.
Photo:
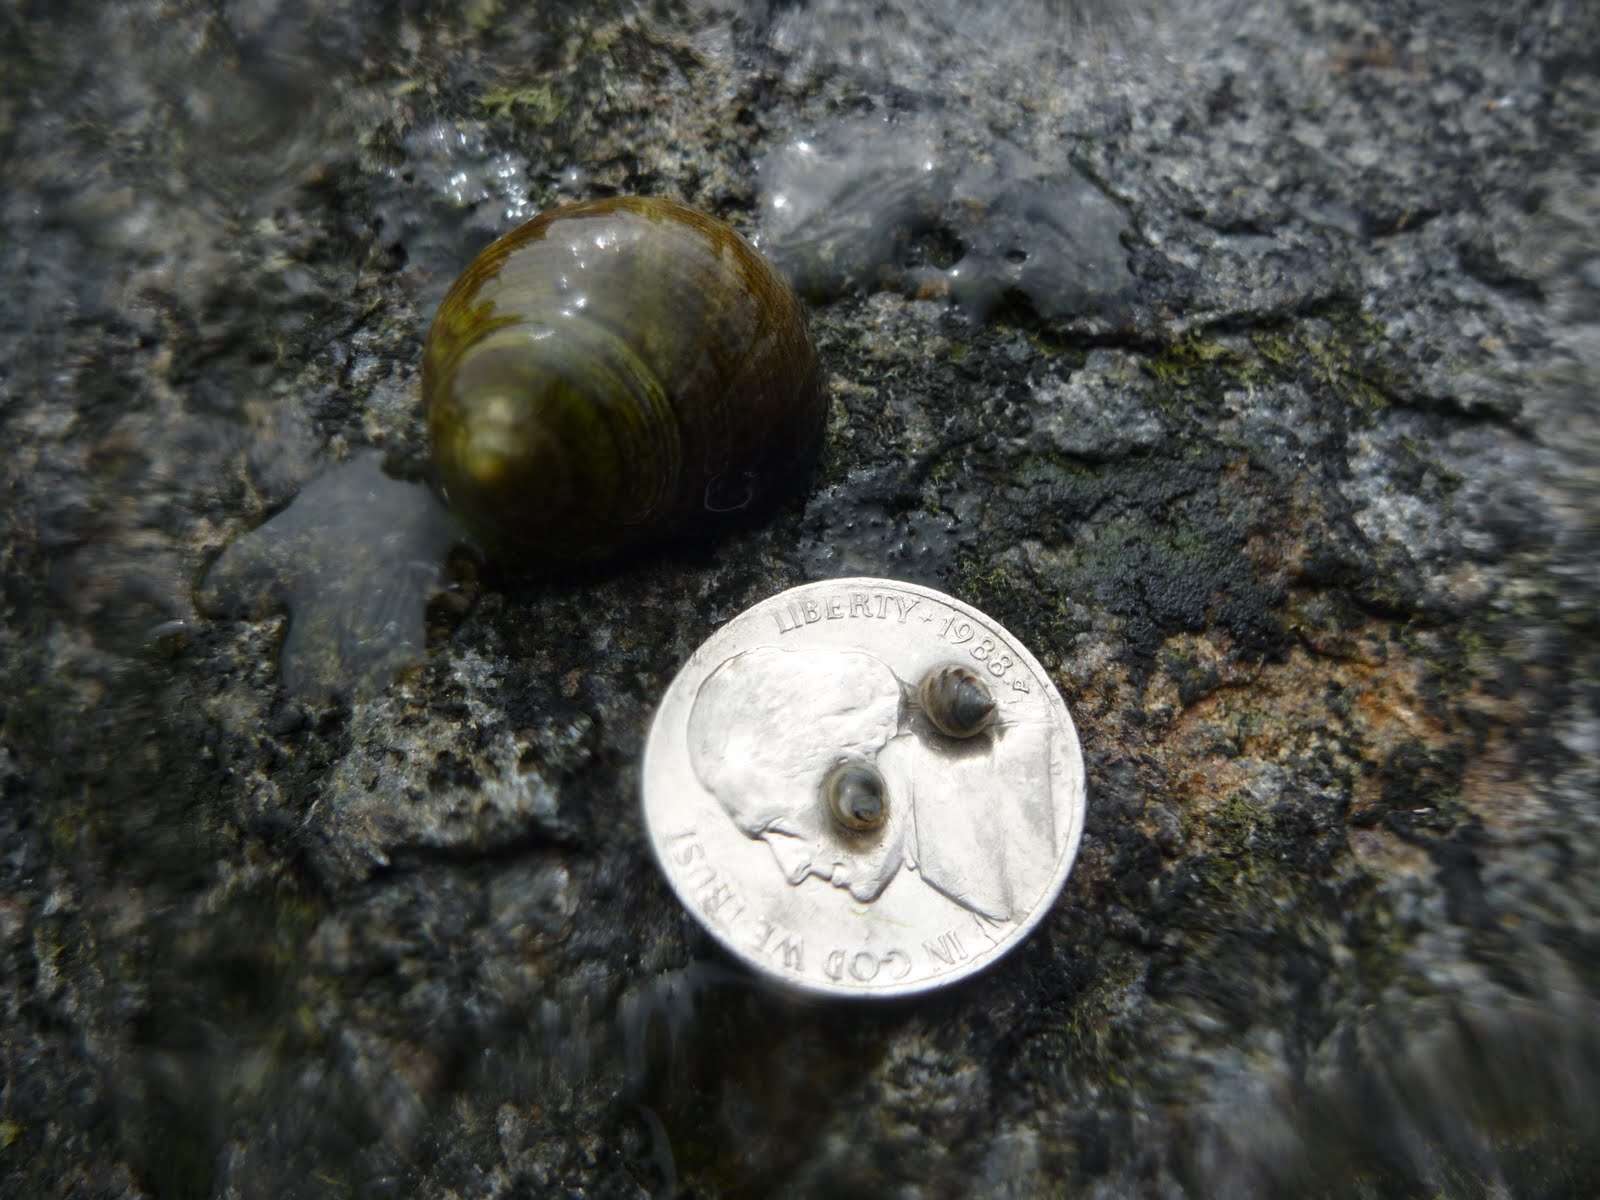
{"points": [[1078, 804]]}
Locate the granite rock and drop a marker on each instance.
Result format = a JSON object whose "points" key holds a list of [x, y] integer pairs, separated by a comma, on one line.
{"points": [[1296, 496]]}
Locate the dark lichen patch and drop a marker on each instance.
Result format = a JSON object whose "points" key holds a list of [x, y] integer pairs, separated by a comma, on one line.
{"points": [[1418, 790], [1159, 577], [450, 770], [1193, 675]]}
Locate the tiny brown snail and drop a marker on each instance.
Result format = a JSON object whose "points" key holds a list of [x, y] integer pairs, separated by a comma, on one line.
{"points": [[957, 701], [614, 373], [856, 796]]}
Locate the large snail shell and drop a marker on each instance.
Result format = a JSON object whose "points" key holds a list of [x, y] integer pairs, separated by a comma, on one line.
{"points": [[614, 372]]}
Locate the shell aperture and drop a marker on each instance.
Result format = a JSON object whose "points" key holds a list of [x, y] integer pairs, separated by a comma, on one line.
{"points": [[615, 372], [857, 796]]}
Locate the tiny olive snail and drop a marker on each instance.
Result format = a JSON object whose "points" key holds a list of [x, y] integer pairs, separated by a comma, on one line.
{"points": [[614, 373]]}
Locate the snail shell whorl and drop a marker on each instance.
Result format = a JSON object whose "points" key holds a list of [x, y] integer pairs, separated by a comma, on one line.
{"points": [[857, 797], [957, 701], [616, 371]]}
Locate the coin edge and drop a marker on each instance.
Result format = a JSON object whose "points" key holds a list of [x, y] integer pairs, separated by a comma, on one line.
{"points": [[1078, 807]]}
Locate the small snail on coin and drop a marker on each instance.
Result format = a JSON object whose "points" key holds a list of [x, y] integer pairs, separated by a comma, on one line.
{"points": [[957, 701], [617, 372], [856, 796], [810, 817]]}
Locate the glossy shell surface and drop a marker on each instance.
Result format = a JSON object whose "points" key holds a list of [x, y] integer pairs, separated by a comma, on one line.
{"points": [[854, 792], [957, 701], [617, 372]]}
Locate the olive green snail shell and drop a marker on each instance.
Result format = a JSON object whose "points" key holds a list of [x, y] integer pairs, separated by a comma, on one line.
{"points": [[615, 373]]}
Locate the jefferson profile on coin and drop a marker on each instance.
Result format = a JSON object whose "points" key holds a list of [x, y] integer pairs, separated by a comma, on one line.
{"points": [[973, 820]]}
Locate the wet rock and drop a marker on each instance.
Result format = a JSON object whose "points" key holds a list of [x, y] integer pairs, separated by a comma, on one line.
{"points": [[1276, 446], [353, 560], [872, 203]]}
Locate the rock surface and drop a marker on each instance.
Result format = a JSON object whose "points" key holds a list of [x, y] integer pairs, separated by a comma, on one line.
{"points": [[1302, 514]]}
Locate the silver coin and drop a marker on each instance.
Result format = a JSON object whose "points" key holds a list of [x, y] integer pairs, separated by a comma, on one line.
{"points": [[864, 788]]}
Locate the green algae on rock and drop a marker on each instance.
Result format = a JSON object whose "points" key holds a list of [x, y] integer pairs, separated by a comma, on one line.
{"points": [[616, 372]]}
